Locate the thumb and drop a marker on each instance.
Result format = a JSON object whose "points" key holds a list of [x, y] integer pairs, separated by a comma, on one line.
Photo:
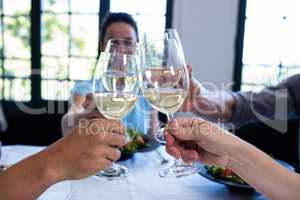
{"points": [[194, 84], [195, 87]]}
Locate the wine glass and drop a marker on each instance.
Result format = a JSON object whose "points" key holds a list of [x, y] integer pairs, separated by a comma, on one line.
{"points": [[166, 86], [116, 89], [148, 50]]}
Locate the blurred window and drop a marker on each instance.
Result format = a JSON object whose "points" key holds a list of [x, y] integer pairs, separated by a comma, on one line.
{"points": [[68, 42], [271, 43]]}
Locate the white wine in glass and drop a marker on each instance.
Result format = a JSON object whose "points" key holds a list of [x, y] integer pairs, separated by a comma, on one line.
{"points": [[116, 89], [165, 100], [166, 86]]}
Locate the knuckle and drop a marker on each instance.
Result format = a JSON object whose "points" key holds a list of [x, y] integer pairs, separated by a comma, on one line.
{"points": [[116, 154], [103, 137], [122, 140], [101, 150], [169, 151], [185, 158], [115, 139], [106, 163]]}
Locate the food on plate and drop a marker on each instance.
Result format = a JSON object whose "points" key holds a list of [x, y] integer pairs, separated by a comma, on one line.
{"points": [[137, 141], [224, 174]]}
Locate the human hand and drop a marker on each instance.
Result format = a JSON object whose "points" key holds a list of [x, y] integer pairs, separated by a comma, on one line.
{"points": [[196, 101], [213, 104], [198, 140], [87, 149], [75, 117], [90, 110], [194, 91]]}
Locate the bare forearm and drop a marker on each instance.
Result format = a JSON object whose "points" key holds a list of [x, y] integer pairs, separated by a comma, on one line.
{"points": [[27, 179], [264, 174]]}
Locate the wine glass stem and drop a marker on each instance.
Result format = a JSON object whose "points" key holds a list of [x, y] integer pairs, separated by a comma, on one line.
{"points": [[178, 161], [170, 116]]}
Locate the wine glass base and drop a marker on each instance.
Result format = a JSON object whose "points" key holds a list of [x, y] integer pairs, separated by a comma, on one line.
{"points": [[115, 172], [159, 136], [179, 170]]}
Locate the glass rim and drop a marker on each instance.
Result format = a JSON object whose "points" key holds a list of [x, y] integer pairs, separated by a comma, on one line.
{"points": [[117, 53], [159, 41]]}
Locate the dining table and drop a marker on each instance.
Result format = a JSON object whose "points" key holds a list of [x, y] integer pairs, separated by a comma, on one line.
{"points": [[142, 182]]}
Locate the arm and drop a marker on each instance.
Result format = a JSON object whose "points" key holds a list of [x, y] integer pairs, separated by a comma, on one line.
{"points": [[212, 145], [278, 103], [34, 172], [87, 149], [263, 173], [3, 123], [243, 107], [216, 105]]}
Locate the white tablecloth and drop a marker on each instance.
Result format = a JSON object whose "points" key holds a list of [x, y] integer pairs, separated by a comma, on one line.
{"points": [[143, 183]]}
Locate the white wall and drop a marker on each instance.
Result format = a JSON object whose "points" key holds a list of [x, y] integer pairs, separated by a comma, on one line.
{"points": [[208, 29]]}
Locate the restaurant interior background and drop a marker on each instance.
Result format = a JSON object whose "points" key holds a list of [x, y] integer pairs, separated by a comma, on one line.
{"points": [[251, 43]]}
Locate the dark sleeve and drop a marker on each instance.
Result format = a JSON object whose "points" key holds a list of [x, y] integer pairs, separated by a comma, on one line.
{"points": [[280, 102], [3, 124]]}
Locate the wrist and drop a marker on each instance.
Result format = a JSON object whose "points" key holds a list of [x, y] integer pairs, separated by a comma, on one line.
{"points": [[263, 173], [239, 153], [51, 170]]}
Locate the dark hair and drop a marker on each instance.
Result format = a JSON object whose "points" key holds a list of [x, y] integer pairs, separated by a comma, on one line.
{"points": [[117, 17]]}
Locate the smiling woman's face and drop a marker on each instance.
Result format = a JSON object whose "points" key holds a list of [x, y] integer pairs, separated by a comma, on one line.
{"points": [[119, 30]]}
